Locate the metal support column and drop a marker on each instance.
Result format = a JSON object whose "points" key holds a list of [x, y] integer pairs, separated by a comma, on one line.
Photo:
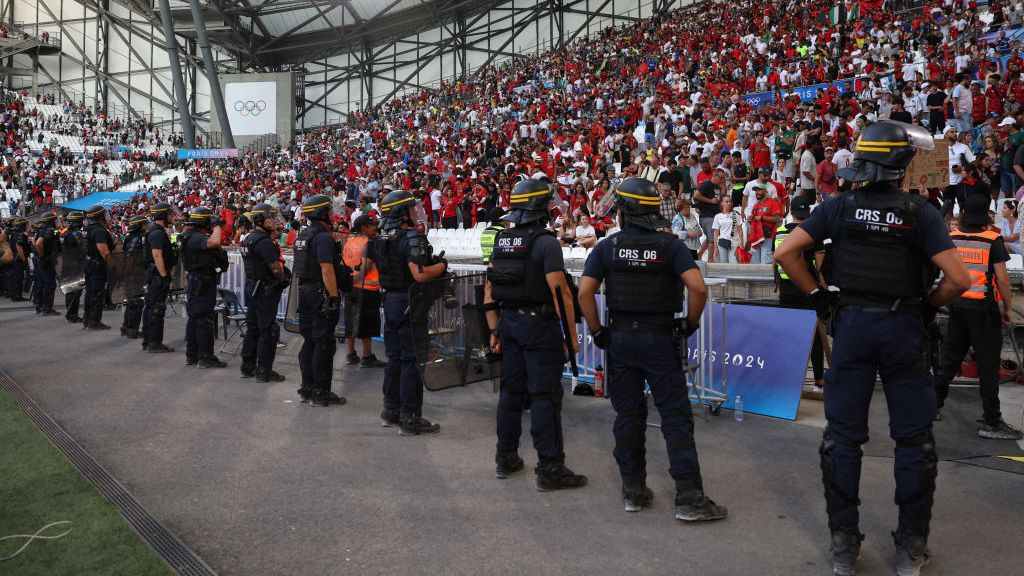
{"points": [[187, 128], [211, 74]]}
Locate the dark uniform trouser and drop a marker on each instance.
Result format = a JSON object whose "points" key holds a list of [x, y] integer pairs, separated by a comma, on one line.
{"points": [[316, 357], [95, 290], [531, 367], [15, 278], [817, 350], [870, 341], [636, 357], [403, 385], [261, 328], [202, 299], [36, 282], [982, 329], [155, 309]]}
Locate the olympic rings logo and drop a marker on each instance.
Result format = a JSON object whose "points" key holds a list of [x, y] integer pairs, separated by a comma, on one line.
{"points": [[250, 107]]}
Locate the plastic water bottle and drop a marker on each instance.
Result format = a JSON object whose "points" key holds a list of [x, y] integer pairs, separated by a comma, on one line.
{"points": [[737, 409]]}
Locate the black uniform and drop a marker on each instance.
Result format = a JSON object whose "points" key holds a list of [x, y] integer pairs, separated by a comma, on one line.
{"points": [[262, 296], [203, 266], [73, 240], [313, 247], [642, 272], [46, 272], [392, 252], [17, 237], [157, 287], [133, 242], [882, 240], [531, 341], [95, 273]]}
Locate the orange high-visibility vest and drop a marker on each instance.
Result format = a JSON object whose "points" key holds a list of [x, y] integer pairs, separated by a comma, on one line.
{"points": [[366, 277], [975, 250]]}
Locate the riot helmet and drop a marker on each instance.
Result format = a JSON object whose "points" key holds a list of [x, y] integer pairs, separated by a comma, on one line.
{"points": [[97, 213], [161, 211], [884, 151], [74, 219], [396, 205], [136, 222], [19, 223], [531, 200], [200, 216], [48, 218], [316, 207], [260, 213], [638, 200]]}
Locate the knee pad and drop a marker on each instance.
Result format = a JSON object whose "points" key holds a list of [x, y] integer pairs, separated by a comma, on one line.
{"points": [[841, 507], [926, 443]]}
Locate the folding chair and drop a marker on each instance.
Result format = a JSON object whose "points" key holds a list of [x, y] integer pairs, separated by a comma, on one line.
{"points": [[231, 311]]}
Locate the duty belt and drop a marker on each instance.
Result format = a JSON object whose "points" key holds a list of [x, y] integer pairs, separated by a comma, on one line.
{"points": [[641, 327], [394, 294]]}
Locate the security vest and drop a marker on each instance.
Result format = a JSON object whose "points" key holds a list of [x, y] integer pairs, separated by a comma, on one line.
{"points": [[780, 235], [487, 238], [365, 278], [255, 267], [975, 250], [306, 265], [393, 266], [875, 259], [515, 281], [641, 278]]}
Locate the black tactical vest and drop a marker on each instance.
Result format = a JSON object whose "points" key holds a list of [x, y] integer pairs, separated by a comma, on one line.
{"points": [[73, 239], [170, 255], [875, 258], [306, 265], [641, 278], [204, 260], [133, 241], [515, 280], [392, 265], [51, 245], [255, 267]]}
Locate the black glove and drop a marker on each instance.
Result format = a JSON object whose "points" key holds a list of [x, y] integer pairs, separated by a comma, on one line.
{"points": [[332, 304], [823, 301], [601, 337], [166, 281]]}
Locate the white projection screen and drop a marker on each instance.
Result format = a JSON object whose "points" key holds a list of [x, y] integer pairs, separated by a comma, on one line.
{"points": [[251, 107]]}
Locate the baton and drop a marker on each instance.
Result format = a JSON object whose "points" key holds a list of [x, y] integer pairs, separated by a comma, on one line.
{"points": [[565, 332]]}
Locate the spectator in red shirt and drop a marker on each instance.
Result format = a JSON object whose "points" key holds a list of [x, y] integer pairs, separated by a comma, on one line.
{"points": [[825, 175], [764, 220]]}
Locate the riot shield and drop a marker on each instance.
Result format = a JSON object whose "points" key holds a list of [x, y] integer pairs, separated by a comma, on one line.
{"points": [[126, 275], [449, 337], [291, 312], [70, 271]]}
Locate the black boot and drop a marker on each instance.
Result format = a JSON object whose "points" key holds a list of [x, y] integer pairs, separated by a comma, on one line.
{"points": [[636, 497], [507, 465], [845, 551], [389, 418], [212, 362], [416, 425], [268, 375], [555, 476], [247, 370], [694, 506]]}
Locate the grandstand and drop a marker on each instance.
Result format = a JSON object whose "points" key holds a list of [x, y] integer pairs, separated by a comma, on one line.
{"points": [[230, 103]]}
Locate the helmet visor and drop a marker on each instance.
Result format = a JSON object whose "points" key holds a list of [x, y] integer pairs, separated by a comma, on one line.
{"points": [[919, 137], [557, 204], [418, 215]]}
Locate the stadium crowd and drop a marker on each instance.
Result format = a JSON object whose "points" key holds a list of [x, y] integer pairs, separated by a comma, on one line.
{"points": [[661, 98]]}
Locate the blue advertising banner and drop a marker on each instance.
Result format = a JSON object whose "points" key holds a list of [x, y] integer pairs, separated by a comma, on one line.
{"points": [[206, 153], [757, 99], [764, 359]]}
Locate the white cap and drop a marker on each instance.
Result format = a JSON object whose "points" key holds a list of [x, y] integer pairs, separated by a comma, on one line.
{"points": [[947, 129], [1008, 121]]}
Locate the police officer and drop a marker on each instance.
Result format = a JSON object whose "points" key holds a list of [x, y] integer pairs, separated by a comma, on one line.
{"points": [[98, 246], [17, 236], [161, 257], [73, 239], [317, 264], [204, 260], [403, 256], [47, 245], [645, 272], [489, 234], [792, 297], [884, 244], [265, 278], [522, 315], [975, 317], [7, 257], [134, 241]]}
